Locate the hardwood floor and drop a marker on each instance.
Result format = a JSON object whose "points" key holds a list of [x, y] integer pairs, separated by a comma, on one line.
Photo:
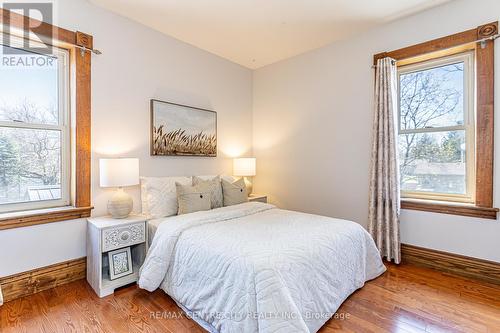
{"points": [[405, 299]]}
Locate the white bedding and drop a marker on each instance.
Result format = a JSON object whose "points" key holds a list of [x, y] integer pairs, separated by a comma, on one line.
{"points": [[255, 268]]}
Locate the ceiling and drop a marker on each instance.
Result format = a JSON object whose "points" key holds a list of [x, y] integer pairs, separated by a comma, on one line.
{"points": [[255, 33]]}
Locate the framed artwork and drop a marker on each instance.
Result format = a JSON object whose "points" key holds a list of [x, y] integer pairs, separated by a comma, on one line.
{"points": [[180, 130], [120, 263]]}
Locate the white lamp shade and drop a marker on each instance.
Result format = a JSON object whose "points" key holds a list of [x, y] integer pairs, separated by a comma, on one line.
{"points": [[244, 166], [118, 172]]}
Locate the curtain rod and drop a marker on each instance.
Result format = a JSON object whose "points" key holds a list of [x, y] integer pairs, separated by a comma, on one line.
{"points": [[481, 41], [83, 49], [4, 35]]}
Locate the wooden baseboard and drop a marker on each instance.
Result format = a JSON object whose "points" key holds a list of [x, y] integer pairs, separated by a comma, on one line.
{"points": [[474, 268], [34, 281]]}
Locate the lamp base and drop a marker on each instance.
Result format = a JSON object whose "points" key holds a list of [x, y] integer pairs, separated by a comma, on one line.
{"points": [[120, 204], [248, 185]]}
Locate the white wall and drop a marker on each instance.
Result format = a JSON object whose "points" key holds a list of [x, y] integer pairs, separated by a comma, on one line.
{"points": [[312, 124], [137, 64], [312, 130]]}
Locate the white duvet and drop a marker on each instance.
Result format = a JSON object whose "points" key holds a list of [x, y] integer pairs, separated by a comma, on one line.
{"points": [[255, 268]]}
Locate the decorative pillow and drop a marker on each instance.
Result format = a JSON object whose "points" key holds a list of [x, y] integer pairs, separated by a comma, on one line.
{"points": [[234, 193], [213, 186], [159, 197], [192, 198], [228, 178]]}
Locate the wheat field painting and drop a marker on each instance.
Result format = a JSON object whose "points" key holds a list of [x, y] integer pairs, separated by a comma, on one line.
{"points": [[179, 130]]}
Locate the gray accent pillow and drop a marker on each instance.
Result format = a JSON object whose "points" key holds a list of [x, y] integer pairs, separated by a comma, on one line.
{"points": [[213, 186], [234, 193], [192, 198]]}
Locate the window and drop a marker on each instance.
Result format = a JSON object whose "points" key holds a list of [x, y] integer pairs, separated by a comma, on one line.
{"points": [[34, 129], [436, 129], [65, 178], [446, 122]]}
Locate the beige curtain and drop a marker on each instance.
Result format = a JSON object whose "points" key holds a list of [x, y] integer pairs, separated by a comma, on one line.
{"points": [[383, 215]]}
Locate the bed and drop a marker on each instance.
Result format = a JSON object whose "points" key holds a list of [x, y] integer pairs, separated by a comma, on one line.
{"points": [[152, 227], [255, 268]]}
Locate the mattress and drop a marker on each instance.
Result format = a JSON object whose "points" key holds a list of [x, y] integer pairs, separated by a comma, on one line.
{"points": [[152, 227], [256, 268]]}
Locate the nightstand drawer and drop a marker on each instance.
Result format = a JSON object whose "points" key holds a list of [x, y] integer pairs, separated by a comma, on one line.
{"points": [[117, 237]]}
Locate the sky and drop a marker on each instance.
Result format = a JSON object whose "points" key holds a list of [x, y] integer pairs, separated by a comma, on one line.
{"points": [[37, 84], [192, 120], [450, 80]]}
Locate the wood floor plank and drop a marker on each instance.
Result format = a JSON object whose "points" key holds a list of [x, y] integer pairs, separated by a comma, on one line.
{"points": [[405, 299], [446, 299]]}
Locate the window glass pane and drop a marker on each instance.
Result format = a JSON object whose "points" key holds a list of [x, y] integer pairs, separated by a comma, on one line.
{"points": [[432, 97], [28, 87], [30, 165], [433, 162]]}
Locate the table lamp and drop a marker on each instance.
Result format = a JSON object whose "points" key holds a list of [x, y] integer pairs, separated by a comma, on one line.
{"points": [[245, 167], [119, 172]]}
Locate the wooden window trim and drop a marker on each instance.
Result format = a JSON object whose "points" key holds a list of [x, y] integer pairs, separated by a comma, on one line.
{"points": [[450, 208], [42, 216], [483, 207], [79, 46]]}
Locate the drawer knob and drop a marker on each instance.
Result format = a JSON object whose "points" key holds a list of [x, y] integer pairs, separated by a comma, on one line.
{"points": [[125, 235]]}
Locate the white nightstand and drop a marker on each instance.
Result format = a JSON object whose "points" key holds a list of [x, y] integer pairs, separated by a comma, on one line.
{"points": [[258, 198], [105, 234]]}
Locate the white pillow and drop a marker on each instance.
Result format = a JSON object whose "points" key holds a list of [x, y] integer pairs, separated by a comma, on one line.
{"points": [[159, 196]]}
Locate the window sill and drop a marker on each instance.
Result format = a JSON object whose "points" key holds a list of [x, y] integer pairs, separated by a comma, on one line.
{"points": [[42, 216], [450, 208]]}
